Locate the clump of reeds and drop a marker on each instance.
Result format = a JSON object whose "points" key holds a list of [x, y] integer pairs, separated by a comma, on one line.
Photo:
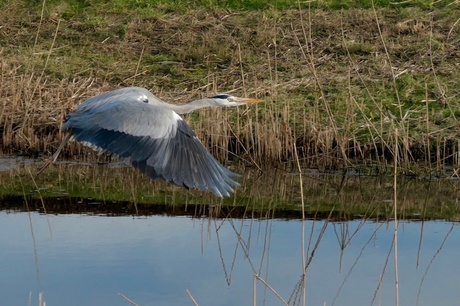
{"points": [[336, 85]]}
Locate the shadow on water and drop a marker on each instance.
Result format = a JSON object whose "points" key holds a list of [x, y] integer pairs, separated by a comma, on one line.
{"points": [[69, 205]]}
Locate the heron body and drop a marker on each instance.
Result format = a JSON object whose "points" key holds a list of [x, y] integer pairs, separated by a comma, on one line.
{"points": [[151, 135]]}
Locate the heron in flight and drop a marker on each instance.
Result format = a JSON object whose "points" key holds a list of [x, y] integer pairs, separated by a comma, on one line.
{"points": [[136, 125]]}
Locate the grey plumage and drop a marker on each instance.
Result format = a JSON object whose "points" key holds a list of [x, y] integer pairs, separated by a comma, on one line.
{"points": [[134, 124]]}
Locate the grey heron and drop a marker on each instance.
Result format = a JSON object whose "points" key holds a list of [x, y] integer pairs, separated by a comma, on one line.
{"points": [[134, 124]]}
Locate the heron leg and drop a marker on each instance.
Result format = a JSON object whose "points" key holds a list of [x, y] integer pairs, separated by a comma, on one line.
{"points": [[53, 158]]}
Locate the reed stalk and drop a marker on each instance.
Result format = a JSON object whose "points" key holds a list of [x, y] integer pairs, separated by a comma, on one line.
{"points": [[334, 91], [395, 208]]}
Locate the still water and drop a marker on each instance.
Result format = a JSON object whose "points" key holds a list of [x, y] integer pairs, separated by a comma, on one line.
{"points": [[94, 260]]}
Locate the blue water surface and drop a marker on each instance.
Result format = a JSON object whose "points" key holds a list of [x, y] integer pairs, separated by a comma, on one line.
{"points": [[94, 260]]}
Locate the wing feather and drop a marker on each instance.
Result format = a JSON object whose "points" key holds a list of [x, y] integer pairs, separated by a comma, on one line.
{"points": [[152, 137]]}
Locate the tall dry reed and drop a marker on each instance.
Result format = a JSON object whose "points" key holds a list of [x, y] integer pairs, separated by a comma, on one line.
{"points": [[335, 84]]}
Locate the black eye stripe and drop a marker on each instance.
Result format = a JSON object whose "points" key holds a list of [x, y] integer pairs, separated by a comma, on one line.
{"points": [[221, 96]]}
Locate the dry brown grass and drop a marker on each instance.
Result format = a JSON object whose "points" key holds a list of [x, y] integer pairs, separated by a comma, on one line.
{"points": [[335, 86]]}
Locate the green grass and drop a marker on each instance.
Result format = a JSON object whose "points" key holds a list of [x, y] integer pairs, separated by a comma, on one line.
{"points": [[275, 191], [330, 87], [144, 6]]}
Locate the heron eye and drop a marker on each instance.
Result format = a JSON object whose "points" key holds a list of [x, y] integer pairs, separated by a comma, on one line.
{"points": [[145, 100]]}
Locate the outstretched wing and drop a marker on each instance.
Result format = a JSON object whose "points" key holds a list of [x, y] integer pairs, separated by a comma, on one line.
{"points": [[152, 137]]}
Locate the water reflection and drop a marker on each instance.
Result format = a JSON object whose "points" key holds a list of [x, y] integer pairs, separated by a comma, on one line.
{"points": [[88, 260], [11, 163], [357, 193]]}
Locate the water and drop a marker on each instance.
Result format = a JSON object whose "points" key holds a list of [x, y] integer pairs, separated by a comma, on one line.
{"points": [[91, 260]]}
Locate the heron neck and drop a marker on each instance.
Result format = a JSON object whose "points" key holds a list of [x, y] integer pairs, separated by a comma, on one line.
{"points": [[192, 106]]}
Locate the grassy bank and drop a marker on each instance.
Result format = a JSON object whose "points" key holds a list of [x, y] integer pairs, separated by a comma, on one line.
{"points": [[337, 83], [76, 187]]}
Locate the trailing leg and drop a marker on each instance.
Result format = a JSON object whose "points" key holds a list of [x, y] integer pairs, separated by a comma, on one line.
{"points": [[53, 158]]}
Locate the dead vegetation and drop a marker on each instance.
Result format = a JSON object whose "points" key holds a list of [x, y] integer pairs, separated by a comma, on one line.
{"points": [[336, 83]]}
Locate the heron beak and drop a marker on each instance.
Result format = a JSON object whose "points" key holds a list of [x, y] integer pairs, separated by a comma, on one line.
{"points": [[248, 100]]}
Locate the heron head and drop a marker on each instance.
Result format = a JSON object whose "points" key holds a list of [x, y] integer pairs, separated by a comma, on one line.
{"points": [[226, 100]]}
